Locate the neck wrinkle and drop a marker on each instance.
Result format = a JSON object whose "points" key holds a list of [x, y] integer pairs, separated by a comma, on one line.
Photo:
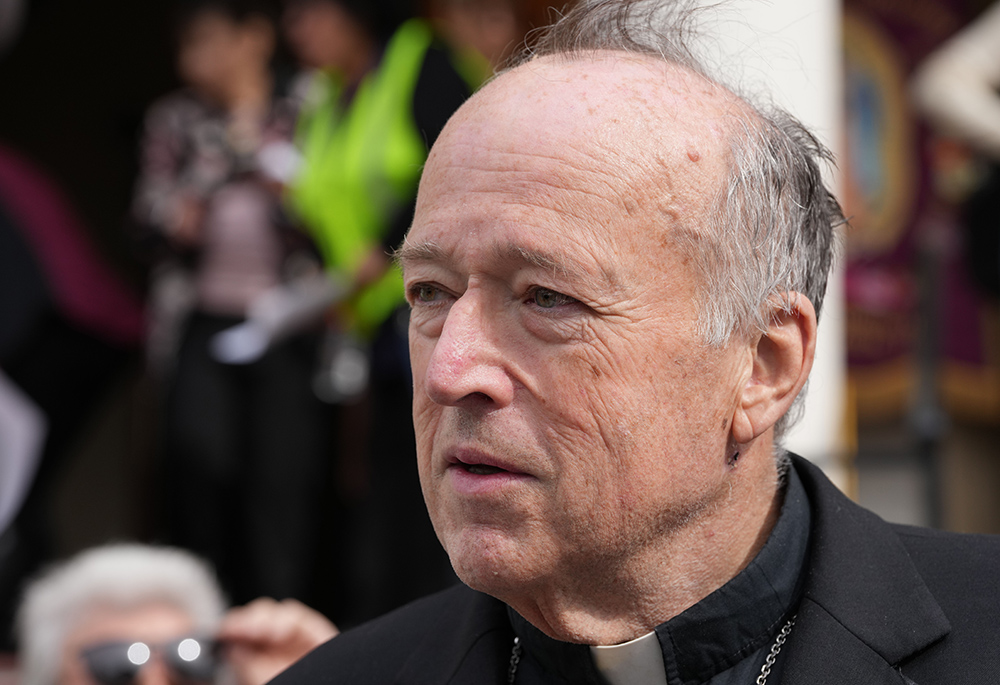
{"points": [[621, 605], [732, 628]]}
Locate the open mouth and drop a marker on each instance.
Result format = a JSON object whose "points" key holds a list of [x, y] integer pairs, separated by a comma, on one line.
{"points": [[477, 474], [482, 469]]}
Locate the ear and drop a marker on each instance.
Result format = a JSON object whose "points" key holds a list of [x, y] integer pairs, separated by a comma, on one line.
{"points": [[781, 360]]}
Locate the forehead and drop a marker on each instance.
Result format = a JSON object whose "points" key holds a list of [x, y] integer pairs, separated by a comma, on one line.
{"points": [[153, 621], [588, 143], [205, 21]]}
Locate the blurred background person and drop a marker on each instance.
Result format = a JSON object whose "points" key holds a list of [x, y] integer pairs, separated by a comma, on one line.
{"points": [[956, 88], [128, 613], [382, 87], [956, 85], [245, 446], [483, 33]]}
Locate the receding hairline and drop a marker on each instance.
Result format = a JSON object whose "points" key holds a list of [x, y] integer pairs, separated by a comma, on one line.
{"points": [[660, 98], [660, 68], [706, 102]]}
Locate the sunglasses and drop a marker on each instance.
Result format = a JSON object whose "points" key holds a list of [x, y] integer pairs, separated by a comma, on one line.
{"points": [[188, 660]]}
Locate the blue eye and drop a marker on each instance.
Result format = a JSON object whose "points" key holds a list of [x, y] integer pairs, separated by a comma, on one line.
{"points": [[549, 299]]}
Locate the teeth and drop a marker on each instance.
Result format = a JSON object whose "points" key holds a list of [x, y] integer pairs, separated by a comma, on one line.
{"points": [[482, 469]]}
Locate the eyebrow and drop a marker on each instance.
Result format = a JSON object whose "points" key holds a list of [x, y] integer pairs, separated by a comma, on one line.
{"points": [[410, 253]]}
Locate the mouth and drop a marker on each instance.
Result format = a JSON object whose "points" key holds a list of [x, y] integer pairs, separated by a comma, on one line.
{"points": [[476, 472], [479, 463], [481, 469]]}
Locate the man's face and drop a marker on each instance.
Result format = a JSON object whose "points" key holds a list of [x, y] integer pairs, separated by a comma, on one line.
{"points": [[568, 418]]}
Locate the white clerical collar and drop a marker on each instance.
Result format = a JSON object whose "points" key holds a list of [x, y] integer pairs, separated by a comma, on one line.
{"points": [[637, 662]]}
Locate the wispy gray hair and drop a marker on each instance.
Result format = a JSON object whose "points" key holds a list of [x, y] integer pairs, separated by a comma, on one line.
{"points": [[773, 233], [123, 575]]}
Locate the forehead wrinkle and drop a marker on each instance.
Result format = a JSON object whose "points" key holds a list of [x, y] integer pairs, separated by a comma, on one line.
{"points": [[610, 186], [431, 252], [601, 163]]}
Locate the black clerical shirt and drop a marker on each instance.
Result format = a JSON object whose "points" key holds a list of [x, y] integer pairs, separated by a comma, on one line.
{"points": [[723, 639]]}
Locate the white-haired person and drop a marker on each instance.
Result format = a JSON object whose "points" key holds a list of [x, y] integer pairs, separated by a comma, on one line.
{"points": [[130, 613]]}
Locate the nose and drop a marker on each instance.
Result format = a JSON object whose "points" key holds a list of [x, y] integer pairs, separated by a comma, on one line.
{"points": [[467, 365], [154, 673]]}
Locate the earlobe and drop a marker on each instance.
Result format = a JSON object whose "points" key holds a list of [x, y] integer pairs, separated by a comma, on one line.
{"points": [[781, 360]]}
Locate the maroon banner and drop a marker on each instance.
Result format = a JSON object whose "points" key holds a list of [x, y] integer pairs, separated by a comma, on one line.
{"points": [[906, 273]]}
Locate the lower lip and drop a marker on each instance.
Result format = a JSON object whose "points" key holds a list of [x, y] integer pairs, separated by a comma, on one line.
{"points": [[468, 483]]}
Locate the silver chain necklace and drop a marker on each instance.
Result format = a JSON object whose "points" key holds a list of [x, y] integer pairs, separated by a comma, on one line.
{"points": [[779, 642], [765, 671]]}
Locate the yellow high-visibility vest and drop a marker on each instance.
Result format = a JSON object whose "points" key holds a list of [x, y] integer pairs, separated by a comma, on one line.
{"points": [[361, 167]]}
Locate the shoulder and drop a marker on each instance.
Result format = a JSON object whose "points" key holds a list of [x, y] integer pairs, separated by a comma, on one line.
{"points": [[176, 110], [960, 573], [922, 600], [956, 566], [942, 558], [183, 100], [454, 636]]}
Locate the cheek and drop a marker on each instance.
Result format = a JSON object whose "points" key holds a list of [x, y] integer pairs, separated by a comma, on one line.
{"points": [[73, 672], [633, 424], [423, 407], [604, 395], [426, 419], [426, 416], [593, 427]]}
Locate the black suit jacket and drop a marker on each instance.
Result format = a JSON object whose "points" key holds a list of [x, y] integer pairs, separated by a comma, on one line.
{"points": [[882, 604]]}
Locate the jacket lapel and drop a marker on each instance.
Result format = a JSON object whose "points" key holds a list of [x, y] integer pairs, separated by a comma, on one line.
{"points": [[865, 607]]}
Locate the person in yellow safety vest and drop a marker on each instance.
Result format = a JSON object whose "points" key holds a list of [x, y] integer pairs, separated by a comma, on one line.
{"points": [[380, 96], [373, 109]]}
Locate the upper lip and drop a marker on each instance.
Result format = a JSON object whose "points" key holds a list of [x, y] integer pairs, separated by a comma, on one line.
{"points": [[474, 457]]}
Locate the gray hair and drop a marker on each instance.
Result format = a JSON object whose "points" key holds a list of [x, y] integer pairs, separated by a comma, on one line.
{"points": [[121, 575], [774, 231]]}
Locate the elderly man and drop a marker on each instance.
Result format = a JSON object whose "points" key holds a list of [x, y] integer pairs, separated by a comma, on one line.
{"points": [[615, 270]]}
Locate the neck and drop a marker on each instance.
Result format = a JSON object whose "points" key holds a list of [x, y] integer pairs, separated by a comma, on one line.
{"points": [[623, 601], [358, 61]]}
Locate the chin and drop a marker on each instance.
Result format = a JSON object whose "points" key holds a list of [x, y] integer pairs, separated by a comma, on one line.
{"points": [[490, 561]]}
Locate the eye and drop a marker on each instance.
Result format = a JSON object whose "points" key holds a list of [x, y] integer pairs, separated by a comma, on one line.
{"points": [[425, 293], [548, 299]]}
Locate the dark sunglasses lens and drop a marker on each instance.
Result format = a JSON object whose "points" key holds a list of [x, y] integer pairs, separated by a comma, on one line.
{"points": [[192, 658], [109, 663]]}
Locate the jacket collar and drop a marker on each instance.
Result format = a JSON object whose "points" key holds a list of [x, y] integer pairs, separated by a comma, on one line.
{"points": [[730, 625], [865, 607]]}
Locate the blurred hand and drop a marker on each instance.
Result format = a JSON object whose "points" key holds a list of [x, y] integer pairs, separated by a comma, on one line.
{"points": [[265, 637]]}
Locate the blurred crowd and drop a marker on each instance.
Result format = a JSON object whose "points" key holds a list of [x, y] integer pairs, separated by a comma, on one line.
{"points": [[272, 181], [272, 184]]}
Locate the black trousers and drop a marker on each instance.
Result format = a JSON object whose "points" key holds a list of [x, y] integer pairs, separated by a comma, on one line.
{"points": [[247, 454]]}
